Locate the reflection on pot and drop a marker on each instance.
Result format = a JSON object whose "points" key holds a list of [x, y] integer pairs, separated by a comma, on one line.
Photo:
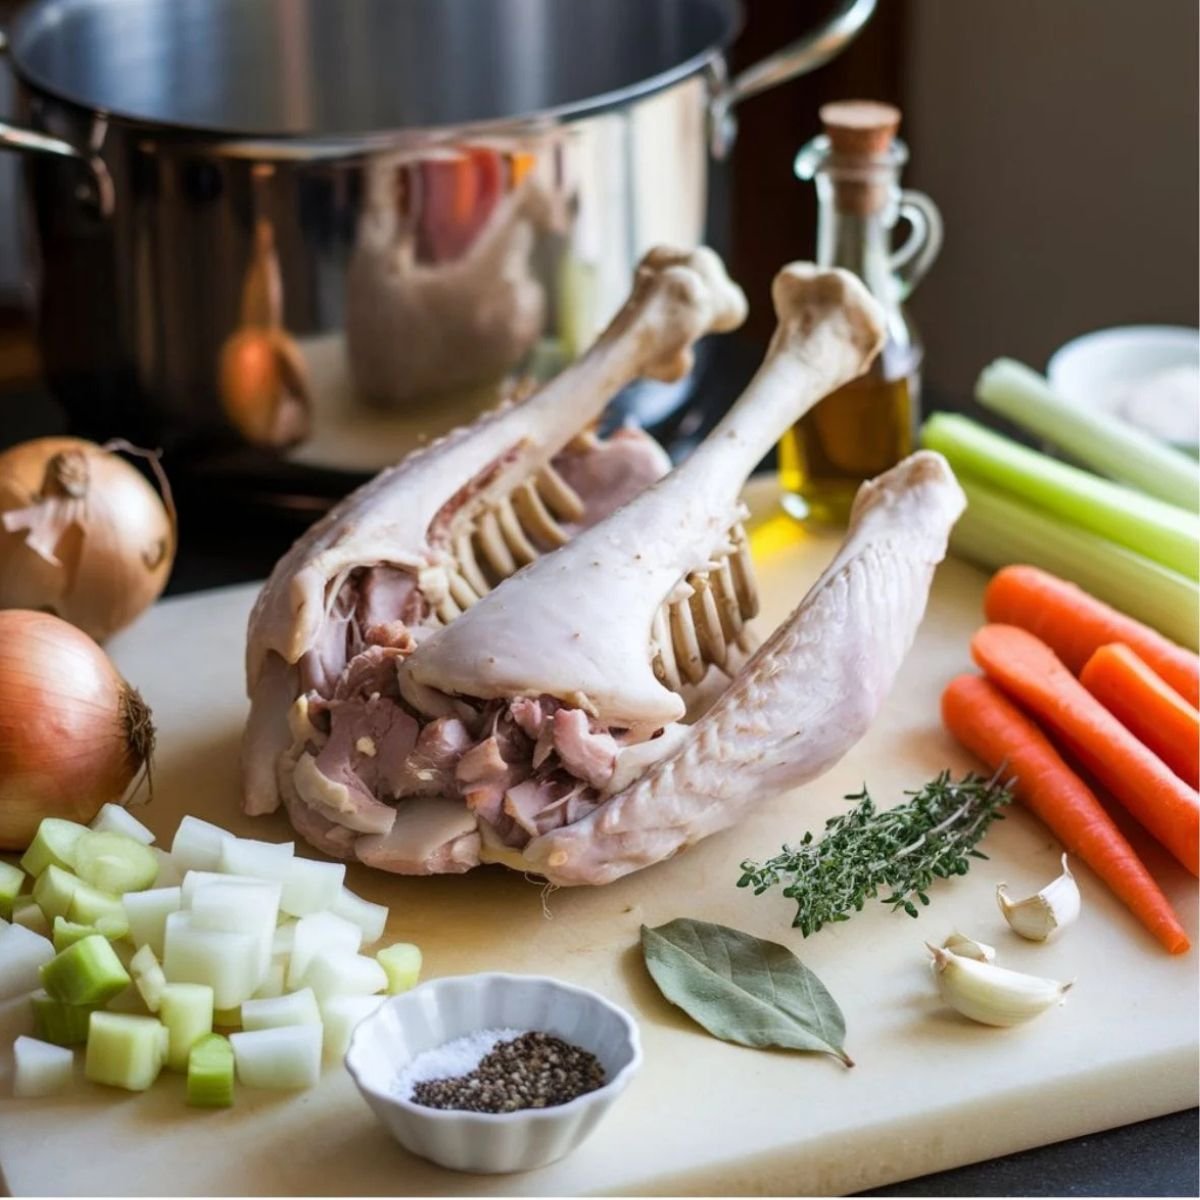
{"points": [[262, 376], [441, 290]]}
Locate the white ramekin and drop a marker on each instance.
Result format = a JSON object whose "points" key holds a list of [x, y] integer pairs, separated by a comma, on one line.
{"points": [[444, 1009]]}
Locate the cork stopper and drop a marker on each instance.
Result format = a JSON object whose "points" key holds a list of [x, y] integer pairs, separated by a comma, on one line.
{"points": [[861, 133]]}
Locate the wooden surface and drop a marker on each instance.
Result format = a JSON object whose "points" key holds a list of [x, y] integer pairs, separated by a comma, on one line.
{"points": [[930, 1090]]}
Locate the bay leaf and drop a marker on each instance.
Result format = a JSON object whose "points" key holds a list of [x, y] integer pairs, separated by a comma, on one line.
{"points": [[742, 988]]}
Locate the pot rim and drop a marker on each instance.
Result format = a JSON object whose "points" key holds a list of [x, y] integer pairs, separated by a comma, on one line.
{"points": [[32, 23]]}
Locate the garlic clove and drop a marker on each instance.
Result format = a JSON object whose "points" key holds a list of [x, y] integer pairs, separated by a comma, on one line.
{"points": [[990, 994], [1038, 916], [965, 947]]}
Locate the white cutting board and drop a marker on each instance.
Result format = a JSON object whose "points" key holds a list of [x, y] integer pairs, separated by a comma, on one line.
{"points": [[930, 1091]]}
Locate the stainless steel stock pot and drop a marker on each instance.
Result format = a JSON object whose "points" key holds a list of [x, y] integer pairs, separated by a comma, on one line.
{"points": [[316, 225]]}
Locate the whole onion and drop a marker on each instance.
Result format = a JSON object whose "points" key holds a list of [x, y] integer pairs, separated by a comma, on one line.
{"points": [[82, 534], [73, 733]]}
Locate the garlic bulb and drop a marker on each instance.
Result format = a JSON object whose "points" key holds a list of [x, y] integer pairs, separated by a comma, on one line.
{"points": [[990, 994], [1038, 916], [965, 947]]}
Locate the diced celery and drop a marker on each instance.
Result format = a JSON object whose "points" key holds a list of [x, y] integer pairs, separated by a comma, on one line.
{"points": [[89, 904], [341, 1015], [273, 982], [341, 973], [229, 963], [53, 891], [296, 1008], [124, 1051], [210, 1073], [310, 886], [114, 863], [53, 844], [1091, 436], [197, 845], [370, 918], [62, 1024], [28, 914], [186, 1009], [67, 933], [402, 963], [89, 972], [22, 955], [11, 879], [228, 1018], [998, 529], [40, 1069], [148, 977], [169, 872], [1150, 527], [147, 914], [258, 860], [287, 1057], [116, 818], [315, 933]]}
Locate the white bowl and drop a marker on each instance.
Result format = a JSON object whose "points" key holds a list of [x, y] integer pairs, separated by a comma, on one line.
{"points": [[444, 1009], [1100, 369]]}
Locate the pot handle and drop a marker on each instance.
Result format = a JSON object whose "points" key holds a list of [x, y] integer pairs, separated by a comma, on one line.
{"points": [[99, 188], [805, 54]]}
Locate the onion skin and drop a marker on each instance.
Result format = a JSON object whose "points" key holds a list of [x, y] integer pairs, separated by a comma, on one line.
{"points": [[113, 562], [73, 733]]}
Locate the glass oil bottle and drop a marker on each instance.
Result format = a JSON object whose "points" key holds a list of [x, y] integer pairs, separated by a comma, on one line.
{"points": [[871, 423]]}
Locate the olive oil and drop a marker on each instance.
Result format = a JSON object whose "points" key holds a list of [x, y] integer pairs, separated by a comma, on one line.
{"points": [[855, 433], [870, 424]]}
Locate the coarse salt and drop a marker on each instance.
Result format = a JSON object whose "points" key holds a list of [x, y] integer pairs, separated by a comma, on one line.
{"points": [[451, 1059]]}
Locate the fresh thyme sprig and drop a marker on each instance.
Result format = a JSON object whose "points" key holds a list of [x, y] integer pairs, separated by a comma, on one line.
{"points": [[903, 849]]}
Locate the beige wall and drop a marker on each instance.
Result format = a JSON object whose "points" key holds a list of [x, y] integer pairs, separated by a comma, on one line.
{"points": [[1059, 138]]}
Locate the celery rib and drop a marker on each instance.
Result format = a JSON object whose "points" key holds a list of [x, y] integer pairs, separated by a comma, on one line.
{"points": [[210, 1073], [1096, 439], [1149, 527], [998, 529]]}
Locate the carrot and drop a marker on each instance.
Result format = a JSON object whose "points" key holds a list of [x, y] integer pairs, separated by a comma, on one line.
{"points": [[1153, 711], [988, 724], [1075, 625], [1031, 674]]}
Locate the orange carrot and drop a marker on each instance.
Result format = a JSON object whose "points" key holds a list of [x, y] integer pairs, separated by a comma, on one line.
{"points": [[1031, 674], [1075, 625], [1153, 711], [985, 722]]}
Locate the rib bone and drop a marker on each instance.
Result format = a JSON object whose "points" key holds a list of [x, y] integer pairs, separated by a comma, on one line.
{"points": [[422, 515], [596, 600]]}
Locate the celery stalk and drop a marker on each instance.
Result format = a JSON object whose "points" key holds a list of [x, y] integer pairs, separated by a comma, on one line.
{"points": [[114, 862], [89, 972], [11, 879], [401, 963], [53, 844], [1096, 439], [62, 1024], [187, 1011], [210, 1073], [1150, 527], [124, 1051], [53, 890], [67, 933], [997, 529], [89, 904]]}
